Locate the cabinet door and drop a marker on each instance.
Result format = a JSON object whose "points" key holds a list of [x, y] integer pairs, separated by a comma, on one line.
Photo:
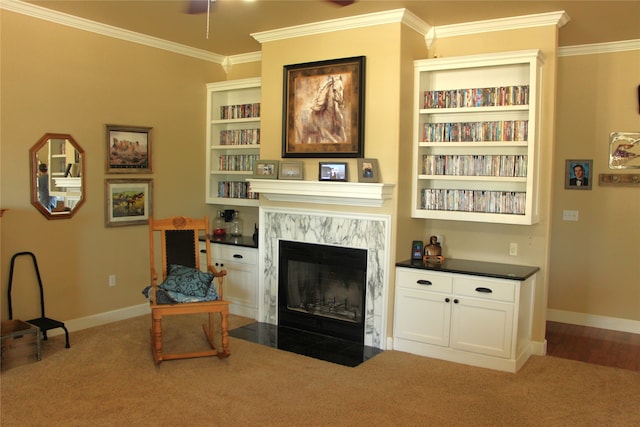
{"points": [[423, 316], [241, 281], [482, 326]]}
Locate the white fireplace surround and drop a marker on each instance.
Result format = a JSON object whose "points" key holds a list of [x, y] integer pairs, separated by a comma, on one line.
{"points": [[362, 231]]}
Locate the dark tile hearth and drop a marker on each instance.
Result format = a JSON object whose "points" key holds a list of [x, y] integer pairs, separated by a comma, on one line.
{"points": [[309, 344]]}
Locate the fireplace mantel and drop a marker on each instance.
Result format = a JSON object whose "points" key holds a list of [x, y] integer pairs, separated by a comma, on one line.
{"points": [[334, 193]]}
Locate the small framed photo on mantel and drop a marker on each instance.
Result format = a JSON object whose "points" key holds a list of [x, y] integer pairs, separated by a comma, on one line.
{"points": [[368, 170], [291, 170], [265, 169], [332, 171]]}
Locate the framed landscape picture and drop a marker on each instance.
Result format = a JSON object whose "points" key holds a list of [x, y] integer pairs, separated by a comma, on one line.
{"points": [[128, 201], [324, 108], [128, 149]]}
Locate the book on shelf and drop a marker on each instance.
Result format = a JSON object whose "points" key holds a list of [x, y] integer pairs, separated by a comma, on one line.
{"points": [[477, 97], [479, 201], [236, 190], [506, 165], [240, 137], [486, 131], [240, 111]]}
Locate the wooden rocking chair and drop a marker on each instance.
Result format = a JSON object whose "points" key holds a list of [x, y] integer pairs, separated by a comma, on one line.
{"points": [[179, 240]]}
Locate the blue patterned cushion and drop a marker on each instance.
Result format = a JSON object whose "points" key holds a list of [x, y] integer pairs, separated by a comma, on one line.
{"points": [[187, 281]]}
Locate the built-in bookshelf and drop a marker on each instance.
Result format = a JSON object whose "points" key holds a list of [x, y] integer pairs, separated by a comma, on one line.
{"points": [[233, 141], [476, 137]]}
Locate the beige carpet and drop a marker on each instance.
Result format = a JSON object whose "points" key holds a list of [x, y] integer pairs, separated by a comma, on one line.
{"points": [[107, 378]]}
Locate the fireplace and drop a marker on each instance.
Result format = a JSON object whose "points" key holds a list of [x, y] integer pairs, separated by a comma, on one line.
{"points": [[368, 232], [322, 289]]}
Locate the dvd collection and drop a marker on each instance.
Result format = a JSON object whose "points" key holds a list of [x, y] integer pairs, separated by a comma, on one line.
{"points": [[503, 130], [237, 162], [477, 97], [235, 190], [501, 202], [240, 111], [509, 165], [240, 137]]}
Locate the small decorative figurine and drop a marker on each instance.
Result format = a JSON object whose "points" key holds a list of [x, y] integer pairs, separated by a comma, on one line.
{"points": [[433, 251]]}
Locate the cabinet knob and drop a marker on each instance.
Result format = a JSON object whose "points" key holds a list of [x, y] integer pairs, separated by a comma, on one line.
{"points": [[447, 299], [424, 282], [455, 301], [484, 290], [219, 264]]}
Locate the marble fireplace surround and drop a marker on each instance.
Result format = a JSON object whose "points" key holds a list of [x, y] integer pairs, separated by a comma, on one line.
{"points": [[362, 231]]}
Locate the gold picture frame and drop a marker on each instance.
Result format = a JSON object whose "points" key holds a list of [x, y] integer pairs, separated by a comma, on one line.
{"points": [[128, 202]]}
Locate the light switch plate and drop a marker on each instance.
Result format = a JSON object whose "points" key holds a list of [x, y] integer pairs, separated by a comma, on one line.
{"points": [[569, 215]]}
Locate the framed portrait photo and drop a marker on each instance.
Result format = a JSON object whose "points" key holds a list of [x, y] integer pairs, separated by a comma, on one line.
{"points": [[290, 170], [265, 169], [578, 174], [128, 201], [324, 108], [128, 149], [368, 170], [332, 171]]}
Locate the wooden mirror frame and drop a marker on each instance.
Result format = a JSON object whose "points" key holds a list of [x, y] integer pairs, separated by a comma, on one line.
{"points": [[79, 160]]}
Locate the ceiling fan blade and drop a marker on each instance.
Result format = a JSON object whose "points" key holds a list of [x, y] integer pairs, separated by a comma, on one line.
{"points": [[341, 2], [195, 7]]}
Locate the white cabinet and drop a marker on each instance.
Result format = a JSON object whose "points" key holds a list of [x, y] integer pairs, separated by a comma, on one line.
{"points": [[476, 127], [469, 319], [233, 141], [241, 281]]}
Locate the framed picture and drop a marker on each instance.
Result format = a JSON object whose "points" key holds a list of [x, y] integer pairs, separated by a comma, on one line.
{"points": [[368, 170], [266, 169], [332, 171], [324, 109], [290, 170], [128, 149], [128, 201], [577, 174], [624, 150]]}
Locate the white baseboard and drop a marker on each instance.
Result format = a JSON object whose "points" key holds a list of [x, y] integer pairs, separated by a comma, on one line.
{"points": [[102, 319], [539, 348], [594, 321]]}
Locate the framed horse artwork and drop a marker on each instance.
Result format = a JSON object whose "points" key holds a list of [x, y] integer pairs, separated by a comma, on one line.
{"points": [[324, 109]]}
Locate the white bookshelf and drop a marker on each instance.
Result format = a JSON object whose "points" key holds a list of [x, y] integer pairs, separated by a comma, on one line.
{"points": [[475, 155]]}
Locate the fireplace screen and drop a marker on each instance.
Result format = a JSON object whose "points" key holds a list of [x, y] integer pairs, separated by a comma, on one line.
{"points": [[322, 288]]}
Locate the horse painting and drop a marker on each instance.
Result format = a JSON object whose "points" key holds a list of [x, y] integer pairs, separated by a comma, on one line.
{"points": [[323, 121]]}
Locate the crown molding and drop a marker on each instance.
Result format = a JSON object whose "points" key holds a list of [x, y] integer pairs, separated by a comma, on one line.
{"points": [[597, 48], [107, 30], [491, 25], [379, 18]]}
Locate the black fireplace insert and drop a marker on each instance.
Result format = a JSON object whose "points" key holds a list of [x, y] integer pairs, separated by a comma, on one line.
{"points": [[322, 288]]}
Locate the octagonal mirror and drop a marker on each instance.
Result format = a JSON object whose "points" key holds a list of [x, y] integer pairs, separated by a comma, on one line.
{"points": [[57, 175]]}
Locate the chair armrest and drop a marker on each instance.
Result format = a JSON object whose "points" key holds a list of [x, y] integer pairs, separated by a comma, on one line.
{"points": [[220, 275]]}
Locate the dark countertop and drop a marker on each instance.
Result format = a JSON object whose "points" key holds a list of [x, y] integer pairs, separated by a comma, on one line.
{"points": [[475, 268], [245, 241]]}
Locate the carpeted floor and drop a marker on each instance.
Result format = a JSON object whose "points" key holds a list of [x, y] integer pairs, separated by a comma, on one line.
{"points": [[107, 378]]}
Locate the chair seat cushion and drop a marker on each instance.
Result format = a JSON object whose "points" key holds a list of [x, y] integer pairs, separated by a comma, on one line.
{"points": [[170, 297], [187, 281]]}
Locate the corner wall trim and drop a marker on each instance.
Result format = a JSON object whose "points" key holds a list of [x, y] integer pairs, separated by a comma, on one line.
{"points": [[43, 13], [596, 48], [594, 321]]}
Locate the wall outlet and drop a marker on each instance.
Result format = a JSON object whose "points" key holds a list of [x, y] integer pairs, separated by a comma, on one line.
{"points": [[112, 280], [440, 238], [569, 215], [513, 249]]}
